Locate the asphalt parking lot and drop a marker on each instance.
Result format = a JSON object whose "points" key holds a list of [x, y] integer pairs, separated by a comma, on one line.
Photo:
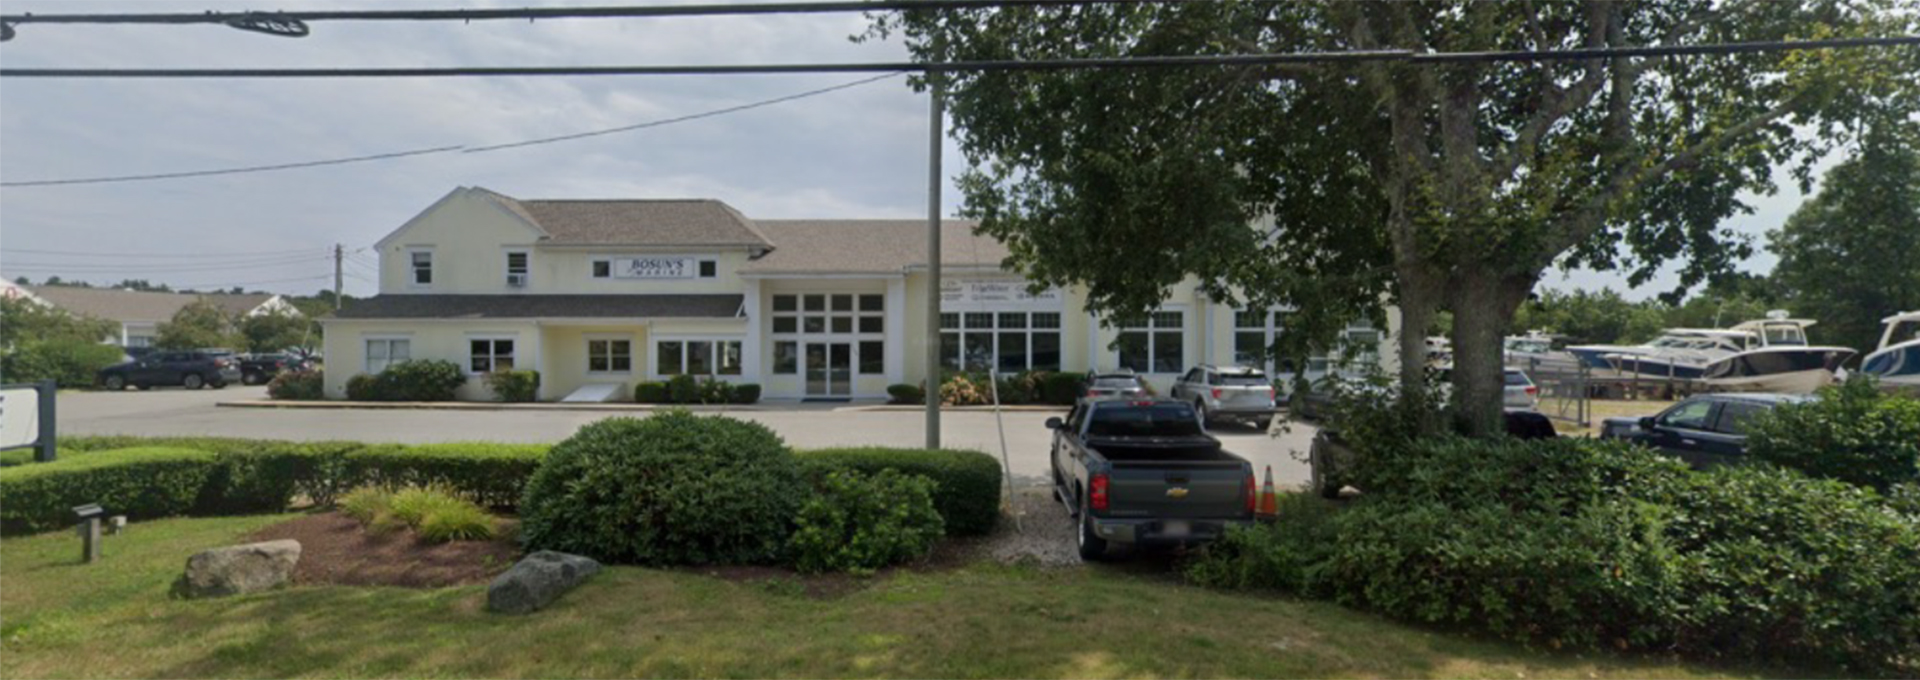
{"points": [[179, 412]]}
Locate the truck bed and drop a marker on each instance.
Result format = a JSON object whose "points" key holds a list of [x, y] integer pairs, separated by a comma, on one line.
{"points": [[1172, 451]]}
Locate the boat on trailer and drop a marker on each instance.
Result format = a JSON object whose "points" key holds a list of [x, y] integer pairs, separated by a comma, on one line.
{"points": [[1679, 353], [1777, 358], [1896, 363]]}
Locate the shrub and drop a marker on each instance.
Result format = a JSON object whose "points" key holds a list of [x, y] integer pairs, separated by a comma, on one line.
{"points": [[1287, 555], [967, 484], [485, 473], [650, 393], [363, 387], [1852, 432], [436, 513], [745, 393], [139, 483], [715, 391], [966, 389], [859, 523], [71, 362], [421, 380], [903, 393], [366, 503], [674, 488], [298, 385], [1062, 388], [515, 386], [460, 521], [683, 389]]}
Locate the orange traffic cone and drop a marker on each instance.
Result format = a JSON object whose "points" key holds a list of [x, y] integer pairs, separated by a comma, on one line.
{"points": [[1269, 502]]}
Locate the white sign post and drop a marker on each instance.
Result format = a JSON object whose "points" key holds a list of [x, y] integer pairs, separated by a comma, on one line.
{"points": [[26, 418]]}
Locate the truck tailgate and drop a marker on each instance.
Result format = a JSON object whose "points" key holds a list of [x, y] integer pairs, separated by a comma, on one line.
{"points": [[1177, 489]]}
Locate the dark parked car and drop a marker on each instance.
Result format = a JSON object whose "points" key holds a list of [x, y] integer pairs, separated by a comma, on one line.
{"points": [[1704, 430], [257, 369], [190, 369], [1146, 473]]}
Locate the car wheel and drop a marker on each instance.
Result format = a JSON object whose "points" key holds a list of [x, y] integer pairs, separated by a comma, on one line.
{"points": [[249, 378], [1092, 547], [1206, 419], [193, 381], [116, 383]]}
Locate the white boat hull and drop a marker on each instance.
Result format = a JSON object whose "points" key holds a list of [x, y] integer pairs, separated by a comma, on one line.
{"points": [[1797, 382], [1788, 370]]}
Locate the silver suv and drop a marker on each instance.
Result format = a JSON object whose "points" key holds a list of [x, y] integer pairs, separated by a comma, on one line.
{"points": [[1224, 393]]}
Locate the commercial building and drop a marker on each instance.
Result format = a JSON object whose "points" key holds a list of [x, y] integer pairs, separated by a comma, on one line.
{"points": [[597, 295]]}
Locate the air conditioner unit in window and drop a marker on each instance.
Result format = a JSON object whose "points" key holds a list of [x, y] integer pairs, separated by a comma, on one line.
{"points": [[517, 280]]}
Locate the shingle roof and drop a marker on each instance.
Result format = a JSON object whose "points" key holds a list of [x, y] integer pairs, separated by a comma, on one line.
{"points": [[126, 306], [706, 306], [643, 222], [869, 246]]}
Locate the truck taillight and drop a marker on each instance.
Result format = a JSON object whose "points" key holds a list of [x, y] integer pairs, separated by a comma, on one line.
{"points": [[1251, 494], [1216, 394], [1097, 492]]}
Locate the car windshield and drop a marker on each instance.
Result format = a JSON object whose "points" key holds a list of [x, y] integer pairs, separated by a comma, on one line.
{"points": [[1246, 379], [1515, 378], [1171, 419], [1116, 383]]}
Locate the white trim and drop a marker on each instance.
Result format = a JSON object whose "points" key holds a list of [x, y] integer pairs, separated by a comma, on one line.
{"points": [[514, 336], [653, 354], [506, 267], [366, 356], [411, 277], [757, 329], [896, 330]]}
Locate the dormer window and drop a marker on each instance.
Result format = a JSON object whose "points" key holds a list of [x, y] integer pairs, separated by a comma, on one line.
{"points": [[420, 263]]}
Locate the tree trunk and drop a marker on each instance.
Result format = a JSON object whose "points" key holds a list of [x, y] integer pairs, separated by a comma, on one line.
{"points": [[1483, 306]]}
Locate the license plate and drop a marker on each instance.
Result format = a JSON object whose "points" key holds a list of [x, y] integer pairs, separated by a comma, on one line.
{"points": [[1176, 528]]}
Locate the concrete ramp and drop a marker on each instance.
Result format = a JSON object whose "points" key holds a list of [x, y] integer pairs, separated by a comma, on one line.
{"points": [[594, 394]]}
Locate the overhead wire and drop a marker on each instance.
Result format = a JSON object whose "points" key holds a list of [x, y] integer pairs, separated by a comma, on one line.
{"points": [[535, 13], [197, 256]]}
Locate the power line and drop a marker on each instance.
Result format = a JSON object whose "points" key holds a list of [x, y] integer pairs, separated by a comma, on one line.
{"points": [[1151, 61], [154, 268], [197, 256], [533, 13], [447, 149]]}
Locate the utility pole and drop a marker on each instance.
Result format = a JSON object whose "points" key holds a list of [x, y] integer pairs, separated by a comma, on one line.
{"points": [[935, 124], [339, 255]]}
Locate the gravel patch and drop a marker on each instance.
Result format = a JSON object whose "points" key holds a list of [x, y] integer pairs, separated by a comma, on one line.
{"points": [[1039, 530]]}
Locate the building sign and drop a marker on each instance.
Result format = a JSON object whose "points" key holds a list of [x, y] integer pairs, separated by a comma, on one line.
{"points": [[655, 267], [19, 416], [969, 291]]}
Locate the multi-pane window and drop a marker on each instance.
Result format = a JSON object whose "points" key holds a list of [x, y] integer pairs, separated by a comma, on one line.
{"points": [[698, 357], [609, 356], [1008, 342], [873, 357], [487, 355], [823, 313], [1254, 332], [786, 357], [517, 268], [421, 262], [384, 352], [1154, 344]]}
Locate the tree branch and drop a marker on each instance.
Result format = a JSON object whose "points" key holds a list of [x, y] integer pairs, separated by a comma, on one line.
{"points": [[1559, 102]]}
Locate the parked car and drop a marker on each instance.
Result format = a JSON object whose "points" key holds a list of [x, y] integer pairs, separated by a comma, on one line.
{"points": [[1122, 385], [1522, 394], [1146, 473], [190, 369], [1228, 393], [1704, 430], [256, 369]]}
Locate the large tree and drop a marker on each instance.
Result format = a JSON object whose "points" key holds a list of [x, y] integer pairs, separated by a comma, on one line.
{"points": [[1851, 255], [1452, 185], [199, 325]]}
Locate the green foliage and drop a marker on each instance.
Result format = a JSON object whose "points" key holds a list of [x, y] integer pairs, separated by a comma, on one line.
{"points": [[278, 331], [139, 483], [860, 523], [1852, 252], [71, 362], [307, 385], [966, 389], [716, 391], [486, 473], [967, 484], [1061, 388], [460, 521], [1601, 544], [653, 392], [903, 393], [745, 393], [438, 514], [366, 503], [22, 321], [420, 380], [1852, 432], [363, 387], [683, 389], [199, 325], [515, 385], [674, 488], [1592, 317]]}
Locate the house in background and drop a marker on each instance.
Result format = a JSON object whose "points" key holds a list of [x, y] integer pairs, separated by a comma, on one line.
{"points": [[598, 295], [140, 313]]}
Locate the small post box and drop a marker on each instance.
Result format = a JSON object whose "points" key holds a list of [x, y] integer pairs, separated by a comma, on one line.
{"points": [[89, 527]]}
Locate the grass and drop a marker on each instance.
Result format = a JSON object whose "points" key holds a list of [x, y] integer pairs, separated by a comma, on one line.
{"points": [[114, 619]]}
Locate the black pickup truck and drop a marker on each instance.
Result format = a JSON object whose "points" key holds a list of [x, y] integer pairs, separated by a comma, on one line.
{"points": [[1146, 473]]}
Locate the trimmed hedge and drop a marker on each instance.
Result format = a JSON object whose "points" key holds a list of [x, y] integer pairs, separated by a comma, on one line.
{"points": [[967, 484], [904, 393], [650, 392], [139, 483], [513, 386], [488, 474], [298, 385], [859, 523]]}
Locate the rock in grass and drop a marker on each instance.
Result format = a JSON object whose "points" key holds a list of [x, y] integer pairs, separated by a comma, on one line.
{"points": [[237, 569], [537, 580]]}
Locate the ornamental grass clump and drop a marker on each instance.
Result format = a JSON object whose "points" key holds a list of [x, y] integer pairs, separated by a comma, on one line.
{"points": [[437, 514]]}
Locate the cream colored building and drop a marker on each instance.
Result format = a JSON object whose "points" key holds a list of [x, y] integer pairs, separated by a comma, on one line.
{"points": [[599, 295]]}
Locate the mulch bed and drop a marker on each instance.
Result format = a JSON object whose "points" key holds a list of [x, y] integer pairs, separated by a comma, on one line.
{"points": [[335, 549]]}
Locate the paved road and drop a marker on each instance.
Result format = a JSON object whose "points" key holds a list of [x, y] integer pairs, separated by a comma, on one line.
{"points": [[178, 412]]}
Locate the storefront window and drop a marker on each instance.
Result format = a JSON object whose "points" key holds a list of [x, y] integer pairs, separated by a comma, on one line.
{"points": [[838, 313], [704, 357], [873, 357], [1154, 344], [786, 357], [1008, 342]]}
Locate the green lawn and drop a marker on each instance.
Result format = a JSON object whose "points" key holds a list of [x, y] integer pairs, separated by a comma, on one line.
{"points": [[114, 619]]}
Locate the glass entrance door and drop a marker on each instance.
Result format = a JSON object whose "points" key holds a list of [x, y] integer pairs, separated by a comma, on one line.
{"points": [[829, 369]]}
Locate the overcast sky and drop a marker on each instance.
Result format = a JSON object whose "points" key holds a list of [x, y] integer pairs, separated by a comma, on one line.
{"points": [[859, 152]]}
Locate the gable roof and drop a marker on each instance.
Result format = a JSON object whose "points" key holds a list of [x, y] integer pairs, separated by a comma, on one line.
{"points": [[135, 306], [438, 306], [636, 222], [870, 246]]}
